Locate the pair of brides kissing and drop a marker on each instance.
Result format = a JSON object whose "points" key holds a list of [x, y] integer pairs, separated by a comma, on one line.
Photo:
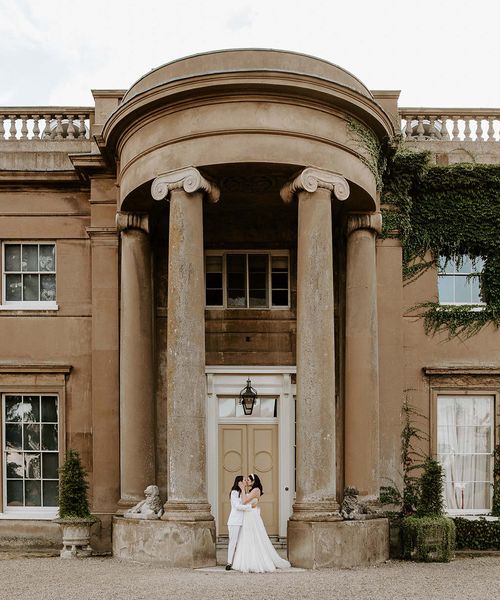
{"points": [[250, 550]]}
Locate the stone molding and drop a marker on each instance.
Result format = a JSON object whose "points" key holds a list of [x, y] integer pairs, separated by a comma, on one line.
{"points": [[310, 179], [126, 220], [372, 221], [188, 179]]}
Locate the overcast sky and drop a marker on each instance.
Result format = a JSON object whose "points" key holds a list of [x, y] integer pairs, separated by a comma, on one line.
{"points": [[439, 53]]}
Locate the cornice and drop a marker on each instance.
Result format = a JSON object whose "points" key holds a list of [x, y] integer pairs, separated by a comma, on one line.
{"points": [[188, 179], [34, 368], [310, 179], [462, 370], [88, 164]]}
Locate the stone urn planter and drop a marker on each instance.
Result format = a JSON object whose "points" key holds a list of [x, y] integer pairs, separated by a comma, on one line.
{"points": [[74, 517], [76, 537]]}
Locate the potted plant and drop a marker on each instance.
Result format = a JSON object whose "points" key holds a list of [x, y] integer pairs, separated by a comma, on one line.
{"points": [[74, 517], [429, 535]]}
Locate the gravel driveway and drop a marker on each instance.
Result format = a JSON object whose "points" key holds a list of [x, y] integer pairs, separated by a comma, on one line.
{"points": [[109, 579]]}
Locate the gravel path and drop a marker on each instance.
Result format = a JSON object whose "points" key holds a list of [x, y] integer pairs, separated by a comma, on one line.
{"points": [[109, 579]]}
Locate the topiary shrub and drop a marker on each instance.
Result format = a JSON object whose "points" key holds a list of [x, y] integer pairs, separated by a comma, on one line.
{"points": [[429, 536], [73, 487]]}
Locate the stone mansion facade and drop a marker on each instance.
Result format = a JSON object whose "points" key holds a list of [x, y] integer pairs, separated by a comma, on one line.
{"points": [[217, 222]]}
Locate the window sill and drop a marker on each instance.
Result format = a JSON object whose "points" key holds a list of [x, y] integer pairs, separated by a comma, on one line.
{"points": [[472, 515], [29, 515], [473, 307], [21, 306]]}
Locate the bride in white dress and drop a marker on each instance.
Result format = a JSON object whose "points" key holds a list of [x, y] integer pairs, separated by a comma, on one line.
{"points": [[254, 551]]}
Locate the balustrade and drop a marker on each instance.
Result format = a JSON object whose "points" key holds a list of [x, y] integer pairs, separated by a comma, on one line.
{"points": [[450, 124], [48, 124]]}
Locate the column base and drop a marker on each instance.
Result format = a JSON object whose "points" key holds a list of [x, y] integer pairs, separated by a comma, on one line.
{"points": [[188, 544], [337, 544], [325, 510], [187, 511]]}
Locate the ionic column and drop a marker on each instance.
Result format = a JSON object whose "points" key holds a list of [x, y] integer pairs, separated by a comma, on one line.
{"points": [[186, 397], [137, 462], [315, 412], [361, 356]]}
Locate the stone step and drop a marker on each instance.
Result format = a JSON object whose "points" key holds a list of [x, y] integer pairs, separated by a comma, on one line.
{"points": [[278, 543]]}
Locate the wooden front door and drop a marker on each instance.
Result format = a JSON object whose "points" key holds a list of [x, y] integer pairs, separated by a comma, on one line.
{"points": [[245, 449]]}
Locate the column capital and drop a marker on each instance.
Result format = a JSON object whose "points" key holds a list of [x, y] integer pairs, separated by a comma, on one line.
{"points": [[188, 179], [372, 221], [127, 220], [310, 179]]}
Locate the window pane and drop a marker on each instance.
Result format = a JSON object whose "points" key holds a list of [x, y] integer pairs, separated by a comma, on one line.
{"points": [[214, 298], [257, 280], [12, 257], [445, 288], [279, 263], [32, 466], [33, 493], [13, 411], [50, 464], [465, 265], [15, 465], [213, 264], [49, 437], [226, 407], [47, 288], [31, 437], [468, 496], [49, 409], [280, 297], [13, 437], [13, 288], [15, 493], [30, 288], [31, 409], [236, 280], [475, 288], [29, 260], [462, 289], [280, 280], [47, 258], [50, 493], [214, 280], [268, 407]]}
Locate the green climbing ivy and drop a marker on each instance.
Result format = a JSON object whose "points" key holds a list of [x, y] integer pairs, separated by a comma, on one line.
{"points": [[445, 211]]}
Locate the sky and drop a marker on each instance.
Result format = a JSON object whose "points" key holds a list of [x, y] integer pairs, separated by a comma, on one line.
{"points": [[439, 53]]}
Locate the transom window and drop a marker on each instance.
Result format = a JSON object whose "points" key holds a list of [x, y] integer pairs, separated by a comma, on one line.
{"points": [[247, 279], [31, 450], [459, 280], [465, 443], [29, 273]]}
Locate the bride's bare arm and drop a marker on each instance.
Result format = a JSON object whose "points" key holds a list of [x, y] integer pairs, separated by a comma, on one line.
{"points": [[246, 498]]}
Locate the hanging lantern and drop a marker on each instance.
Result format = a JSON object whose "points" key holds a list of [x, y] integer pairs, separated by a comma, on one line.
{"points": [[247, 398]]}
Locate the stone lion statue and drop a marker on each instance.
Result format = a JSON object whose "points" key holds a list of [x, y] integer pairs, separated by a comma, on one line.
{"points": [[351, 508], [149, 508]]}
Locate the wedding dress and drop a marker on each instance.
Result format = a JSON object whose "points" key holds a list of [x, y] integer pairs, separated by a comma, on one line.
{"points": [[254, 551]]}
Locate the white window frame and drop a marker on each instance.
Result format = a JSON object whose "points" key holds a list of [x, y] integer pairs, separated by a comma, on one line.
{"points": [[477, 306], [27, 512], [461, 393], [269, 254], [22, 305]]}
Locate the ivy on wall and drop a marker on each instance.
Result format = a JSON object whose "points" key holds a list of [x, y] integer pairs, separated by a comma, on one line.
{"points": [[445, 211]]}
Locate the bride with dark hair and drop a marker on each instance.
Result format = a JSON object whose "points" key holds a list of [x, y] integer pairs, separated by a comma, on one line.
{"points": [[254, 551]]}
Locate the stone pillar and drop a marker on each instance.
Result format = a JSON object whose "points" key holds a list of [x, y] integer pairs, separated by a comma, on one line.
{"points": [[315, 409], [137, 447], [361, 357], [187, 506]]}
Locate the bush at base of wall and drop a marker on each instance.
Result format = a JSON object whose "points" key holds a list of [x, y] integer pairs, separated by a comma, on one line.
{"points": [[480, 534], [428, 539]]}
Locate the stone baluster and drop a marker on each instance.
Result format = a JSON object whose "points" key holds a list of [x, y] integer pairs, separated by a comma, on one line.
{"points": [[2, 128], [420, 128], [479, 129], [491, 129], [46, 130], [408, 128], [187, 502], [467, 130], [81, 127], [70, 135], [361, 356], [432, 128], [36, 127], [59, 128], [24, 127], [455, 133], [137, 443], [13, 129], [444, 128]]}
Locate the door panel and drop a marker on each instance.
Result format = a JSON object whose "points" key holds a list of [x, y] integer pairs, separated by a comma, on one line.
{"points": [[245, 449], [232, 461], [263, 460]]}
